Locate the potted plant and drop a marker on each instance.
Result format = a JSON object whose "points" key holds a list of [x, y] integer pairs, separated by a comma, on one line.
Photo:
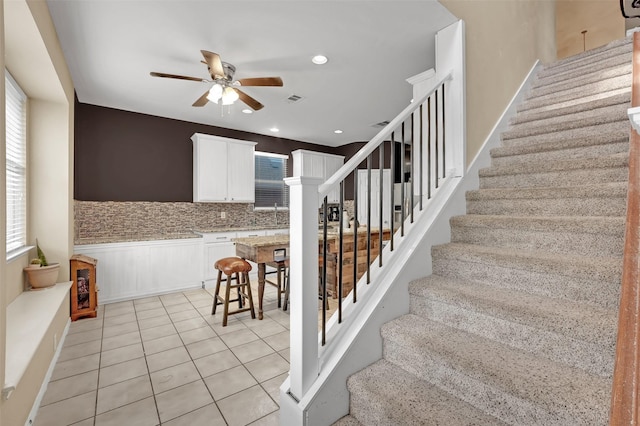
{"points": [[40, 273]]}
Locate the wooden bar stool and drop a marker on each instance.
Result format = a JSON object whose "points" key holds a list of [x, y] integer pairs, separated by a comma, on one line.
{"points": [[283, 268], [285, 279], [279, 258], [240, 267]]}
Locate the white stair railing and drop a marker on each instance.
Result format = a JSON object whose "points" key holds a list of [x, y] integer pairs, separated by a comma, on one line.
{"points": [[430, 135]]}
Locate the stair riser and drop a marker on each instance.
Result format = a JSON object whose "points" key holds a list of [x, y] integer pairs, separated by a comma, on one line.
{"points": [[556, 178], [494, 401], [595, 358], [564, 154], [576, 93], [568, 122], [553, 241], [549, 207], [581, 80], [599, 292], [604, 133]]}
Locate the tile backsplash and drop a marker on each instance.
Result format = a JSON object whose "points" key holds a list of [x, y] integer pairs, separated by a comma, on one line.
{"points": [[113, 220], [103, 219]]}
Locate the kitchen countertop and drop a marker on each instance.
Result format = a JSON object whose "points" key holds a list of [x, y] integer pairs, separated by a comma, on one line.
{"points": [[263, 241], [332, 232], [170, 235]]}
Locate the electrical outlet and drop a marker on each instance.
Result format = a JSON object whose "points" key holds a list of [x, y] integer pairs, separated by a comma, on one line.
{"points": [[223, 215]]}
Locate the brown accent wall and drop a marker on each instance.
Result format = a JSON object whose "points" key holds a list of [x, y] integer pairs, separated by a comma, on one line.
{"points": [[127, 156]]}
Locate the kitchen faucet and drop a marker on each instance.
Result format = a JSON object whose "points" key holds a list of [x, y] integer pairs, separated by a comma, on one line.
{"points": [[275, 212]]}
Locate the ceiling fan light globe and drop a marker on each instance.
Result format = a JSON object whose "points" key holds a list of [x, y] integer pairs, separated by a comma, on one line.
{"points": [[215, 93], [229, 96]]}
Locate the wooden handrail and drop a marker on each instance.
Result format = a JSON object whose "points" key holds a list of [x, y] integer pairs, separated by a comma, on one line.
{"points": [[625, 403]]}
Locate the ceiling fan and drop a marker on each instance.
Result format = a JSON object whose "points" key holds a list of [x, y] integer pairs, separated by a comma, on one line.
{"points": [[224, 88]]}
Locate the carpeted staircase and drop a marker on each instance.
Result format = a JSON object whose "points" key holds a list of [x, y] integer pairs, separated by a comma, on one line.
{"points": [[517, 324]]}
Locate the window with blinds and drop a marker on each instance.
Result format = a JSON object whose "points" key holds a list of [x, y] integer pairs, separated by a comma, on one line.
{"points": [[16, 167], [271, 169]]}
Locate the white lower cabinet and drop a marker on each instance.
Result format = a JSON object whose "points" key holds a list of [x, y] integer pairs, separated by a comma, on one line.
{"points": [[216, 246], [138, 269]]}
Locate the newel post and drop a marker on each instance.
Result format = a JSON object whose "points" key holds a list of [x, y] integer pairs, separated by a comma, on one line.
{"points": [[303, 276]]}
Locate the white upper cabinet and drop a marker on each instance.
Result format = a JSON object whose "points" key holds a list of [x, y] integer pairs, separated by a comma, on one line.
{"points": [[223, 169], [317, 164]]}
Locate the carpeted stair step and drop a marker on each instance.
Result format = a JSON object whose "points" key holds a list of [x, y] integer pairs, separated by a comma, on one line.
{"points": [[589, 59], [580, 335], [577, 93], [584, 236], [384, 394], [568, 103], [347, 420], [613, 168], [606, 199], [609, 100], [617, 65], [597, 145], [617, 129], [595, 116], [590, 78], [594, 280], [512, 385]]}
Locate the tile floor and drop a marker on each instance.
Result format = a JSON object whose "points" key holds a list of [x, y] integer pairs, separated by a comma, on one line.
{"points": [[166, 360]]}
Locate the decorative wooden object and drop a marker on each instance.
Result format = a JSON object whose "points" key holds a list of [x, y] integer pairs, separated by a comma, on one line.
{"points": [[84, 291]]}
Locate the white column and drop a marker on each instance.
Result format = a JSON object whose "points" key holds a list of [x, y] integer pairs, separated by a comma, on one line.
{"points": [[450, 48], [303, 275]]}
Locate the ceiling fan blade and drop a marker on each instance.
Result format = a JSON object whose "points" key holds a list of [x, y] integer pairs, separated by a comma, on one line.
{"points": [[254, 104], [261, 81], [215, 64], [202, 100], [179, 77]]}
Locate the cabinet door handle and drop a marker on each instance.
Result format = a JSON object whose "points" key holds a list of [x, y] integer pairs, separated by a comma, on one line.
{"points": [[221, 238]]}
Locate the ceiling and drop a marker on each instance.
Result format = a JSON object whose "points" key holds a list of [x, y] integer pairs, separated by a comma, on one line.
{"points": [[373, 47]]}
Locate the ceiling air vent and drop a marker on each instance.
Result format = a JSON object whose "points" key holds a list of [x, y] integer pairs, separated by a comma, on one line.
{"points": [[381, 124], [294, 98]]}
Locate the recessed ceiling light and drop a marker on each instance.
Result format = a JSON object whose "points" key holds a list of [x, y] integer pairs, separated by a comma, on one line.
{"points": [[274, 129], [319, 59], [247, 111], [337, 131]]}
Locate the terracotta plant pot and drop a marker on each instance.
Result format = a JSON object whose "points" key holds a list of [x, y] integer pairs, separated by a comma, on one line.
{"points": [[42, 276]]}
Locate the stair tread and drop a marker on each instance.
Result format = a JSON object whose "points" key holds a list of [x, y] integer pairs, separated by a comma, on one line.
{"points": [[556, 387], [584, 224], [615, 65], [608, 114], [613, 99], [580, 320], [583, 59], [610, 161], [412, 401], [577, 142], [593, 268], [532, 108], [570, 93], [603, 190], [603, 131]]}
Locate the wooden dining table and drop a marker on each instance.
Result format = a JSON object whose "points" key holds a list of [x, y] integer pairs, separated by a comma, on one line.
{"points": [[260, 251]]}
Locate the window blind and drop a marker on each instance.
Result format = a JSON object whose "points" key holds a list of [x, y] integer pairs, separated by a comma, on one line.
{"points": [[16, 164], [271, 169]]}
